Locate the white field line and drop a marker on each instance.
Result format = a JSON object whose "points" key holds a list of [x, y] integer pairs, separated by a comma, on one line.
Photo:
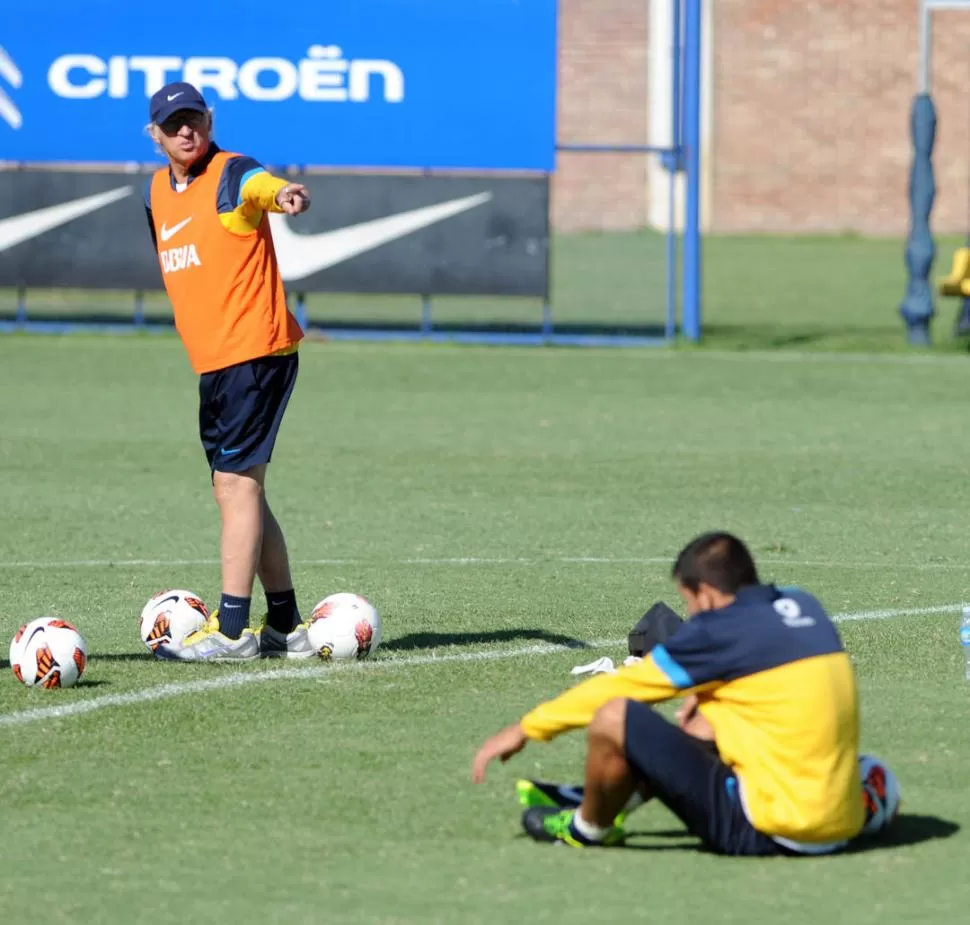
{"points": [[472, 561], [903, 612], [240, 678], [321, 672]]}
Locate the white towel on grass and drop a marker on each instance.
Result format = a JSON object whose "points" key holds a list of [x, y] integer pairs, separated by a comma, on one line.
{"points": [[603, 665]]}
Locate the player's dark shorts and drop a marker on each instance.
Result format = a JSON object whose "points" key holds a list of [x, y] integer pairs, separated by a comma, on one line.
{"points": [[241, 408], [689, 778]]}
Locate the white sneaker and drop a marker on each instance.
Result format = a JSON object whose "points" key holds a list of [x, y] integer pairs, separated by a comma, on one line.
{"points": [[274, 644], [209, 644]]}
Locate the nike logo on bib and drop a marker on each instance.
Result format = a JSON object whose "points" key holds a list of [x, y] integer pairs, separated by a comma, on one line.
{"points": [[166, 233]]}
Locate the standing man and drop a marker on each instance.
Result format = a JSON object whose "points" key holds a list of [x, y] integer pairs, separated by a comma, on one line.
{"points": [[764, 674], [207, 214]]}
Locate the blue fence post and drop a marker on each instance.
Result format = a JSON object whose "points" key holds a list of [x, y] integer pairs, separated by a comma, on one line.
{"points": [[425, 316], [691, 321], [301, 310], [21, 306], [139, 308], [917, 305], [674, 164], [546, 321]]}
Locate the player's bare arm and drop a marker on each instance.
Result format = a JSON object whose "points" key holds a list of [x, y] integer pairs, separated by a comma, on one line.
{"points": [[503, 745]]}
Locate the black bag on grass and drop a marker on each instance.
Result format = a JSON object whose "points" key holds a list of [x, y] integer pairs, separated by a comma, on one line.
{"points": [[657, 625]]}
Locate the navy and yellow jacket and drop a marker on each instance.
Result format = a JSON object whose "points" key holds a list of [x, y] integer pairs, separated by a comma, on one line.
{"points": [[774, 681]]}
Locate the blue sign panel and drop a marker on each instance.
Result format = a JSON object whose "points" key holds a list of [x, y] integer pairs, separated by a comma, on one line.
{"points": [[344, 83]]}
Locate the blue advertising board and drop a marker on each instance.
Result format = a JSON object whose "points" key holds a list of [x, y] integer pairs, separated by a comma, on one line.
{"points": [[343, 83]]}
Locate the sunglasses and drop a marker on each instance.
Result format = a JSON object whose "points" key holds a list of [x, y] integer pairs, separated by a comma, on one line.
{"points": [[176, 120]]}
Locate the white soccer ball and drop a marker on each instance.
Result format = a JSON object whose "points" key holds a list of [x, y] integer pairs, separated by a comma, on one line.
{"points": [[344, 626], [880, 792], [169, 617], [48, 652]]}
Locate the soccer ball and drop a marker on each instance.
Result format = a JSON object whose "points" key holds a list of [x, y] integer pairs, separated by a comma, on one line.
{"points": [[48, 652], [880, 792], [344, 626], [169, 617]]}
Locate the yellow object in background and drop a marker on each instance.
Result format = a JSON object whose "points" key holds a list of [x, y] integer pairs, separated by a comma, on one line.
{"points": [[958, 282]]}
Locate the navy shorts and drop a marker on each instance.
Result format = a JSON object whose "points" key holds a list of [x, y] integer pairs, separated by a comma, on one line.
{"points": [[241, 408], [689, 778]]}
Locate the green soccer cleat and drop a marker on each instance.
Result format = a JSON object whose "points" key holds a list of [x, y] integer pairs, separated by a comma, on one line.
{"points": [[547, 824], [541, 793], [533, 793]]}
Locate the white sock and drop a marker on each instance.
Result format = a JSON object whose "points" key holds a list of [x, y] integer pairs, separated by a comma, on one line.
{"points": [[589, 831]]}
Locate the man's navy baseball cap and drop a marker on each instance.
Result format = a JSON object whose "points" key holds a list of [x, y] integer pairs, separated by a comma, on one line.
{"points": [[173, 97]]}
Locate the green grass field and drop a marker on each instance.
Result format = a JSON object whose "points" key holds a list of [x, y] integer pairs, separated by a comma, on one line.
{"points": [[497, 506]]}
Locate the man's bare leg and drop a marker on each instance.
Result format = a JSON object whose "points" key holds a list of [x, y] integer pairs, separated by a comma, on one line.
{"points": [[275, 577], [273, 568], [610, 782], [239, 496]]}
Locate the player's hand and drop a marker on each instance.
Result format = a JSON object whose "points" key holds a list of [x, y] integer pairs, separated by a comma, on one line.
{"points": [[293, 199], [503, 745], [688, 710], [692, 721]]}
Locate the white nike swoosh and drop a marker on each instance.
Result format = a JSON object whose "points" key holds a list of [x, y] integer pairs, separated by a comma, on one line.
{"points": [[19, 228], [165, 233], [302, 255], [174, 96]]}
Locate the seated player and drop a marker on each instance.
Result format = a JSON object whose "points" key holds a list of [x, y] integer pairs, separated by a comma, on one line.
{"points": [[765, 675]]}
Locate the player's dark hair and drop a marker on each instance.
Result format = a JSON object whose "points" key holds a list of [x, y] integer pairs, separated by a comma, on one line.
{"points": [[720, 560]]}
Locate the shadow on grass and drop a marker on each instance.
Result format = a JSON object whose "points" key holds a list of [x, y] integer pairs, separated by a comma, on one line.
{"points": [[773, 337], [440, 640], [107, 657], [908, 829], [122, 657], [689, 844]]}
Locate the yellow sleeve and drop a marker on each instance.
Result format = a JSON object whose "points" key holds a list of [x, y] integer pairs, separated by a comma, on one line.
{"points": [[575, 708], [260, 191]]}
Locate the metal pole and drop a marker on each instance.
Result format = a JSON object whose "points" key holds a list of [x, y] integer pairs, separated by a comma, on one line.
{"points": [[692, 152], [676, 137], [926, 10], [670, 328], [546, 321], [426, 315], [673, 165]]}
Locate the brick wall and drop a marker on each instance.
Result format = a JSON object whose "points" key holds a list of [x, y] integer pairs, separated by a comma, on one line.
{"points": [[811, 114], [810, 117], [602, 98]]}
